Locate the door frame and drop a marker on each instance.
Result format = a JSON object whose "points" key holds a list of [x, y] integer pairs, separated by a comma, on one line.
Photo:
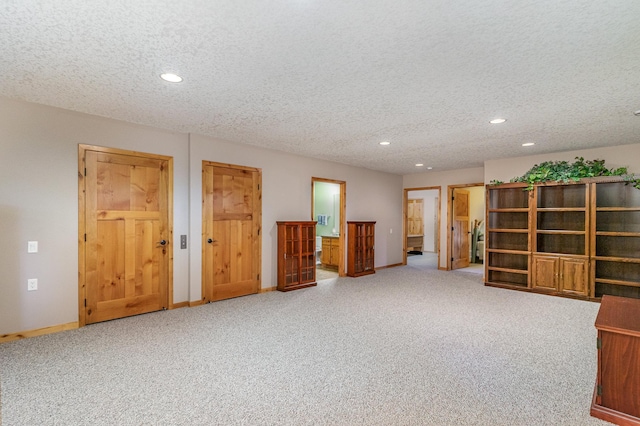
{"points": [[82, 225], [343, 213], [257, 220], [450, 190], [405, 219]]}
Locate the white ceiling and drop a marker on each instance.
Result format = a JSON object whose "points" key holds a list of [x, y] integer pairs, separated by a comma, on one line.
{"points": [[332, 78]]}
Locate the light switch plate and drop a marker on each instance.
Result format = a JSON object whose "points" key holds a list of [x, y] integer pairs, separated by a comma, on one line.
{"points": [[32, 284], [183, 241], [32, 247]]}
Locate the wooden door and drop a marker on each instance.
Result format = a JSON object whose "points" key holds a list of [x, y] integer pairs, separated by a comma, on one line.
{"points": [[231, 221], [125, 261], [574, 276], [415, 217], [545, 270], [460, 229]]}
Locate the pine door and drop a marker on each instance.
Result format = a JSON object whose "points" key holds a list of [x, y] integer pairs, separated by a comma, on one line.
{"points": [[125, 258], [460, 231], [415, 216], [231, 224]]}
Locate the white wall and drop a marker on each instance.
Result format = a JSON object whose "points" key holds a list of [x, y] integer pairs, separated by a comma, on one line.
{"points": [[286, 195], [39, 201], [327, 202], [618, 156]]}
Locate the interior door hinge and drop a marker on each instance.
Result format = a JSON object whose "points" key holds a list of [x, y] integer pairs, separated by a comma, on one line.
{"points": [[85, 171], [258, 232], [85, 238], [598, 343], [85, 303], [452, 259], [599, 390], [258, 277], [452, 228]]}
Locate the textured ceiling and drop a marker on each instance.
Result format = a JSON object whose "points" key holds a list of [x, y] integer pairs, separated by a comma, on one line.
{"points": [[332, 78]]}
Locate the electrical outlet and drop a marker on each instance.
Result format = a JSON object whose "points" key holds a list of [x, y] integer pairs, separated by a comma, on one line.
{"points": [[391, 230], [32, 284], [32, 246]]}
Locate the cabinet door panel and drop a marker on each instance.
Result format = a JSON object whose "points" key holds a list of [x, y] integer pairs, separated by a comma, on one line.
{"points": [[574, 273], [335, 252], [545, 272], [326, 251], [620, 373]]}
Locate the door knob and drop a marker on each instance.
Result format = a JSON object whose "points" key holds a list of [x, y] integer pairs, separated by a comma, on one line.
{"points": [[211, 241], [163, 242]]}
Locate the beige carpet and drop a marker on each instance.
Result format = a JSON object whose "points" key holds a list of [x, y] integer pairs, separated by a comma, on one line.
{"points": [[404, 346]]}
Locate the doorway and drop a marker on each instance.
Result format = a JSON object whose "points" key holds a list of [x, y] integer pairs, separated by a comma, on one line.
{"points": [[328, 209], [125, 233], [421, 234], [465, 222]]}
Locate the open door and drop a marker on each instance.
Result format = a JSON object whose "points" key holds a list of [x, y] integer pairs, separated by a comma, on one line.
{"points": [[460, 229], [328, 208]]}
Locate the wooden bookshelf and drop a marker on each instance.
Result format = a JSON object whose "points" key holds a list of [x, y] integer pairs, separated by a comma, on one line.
{"points": [[577, 239], [507, 241]]}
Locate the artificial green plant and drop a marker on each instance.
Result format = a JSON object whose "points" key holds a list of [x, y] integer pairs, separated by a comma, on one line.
{"points": [[563, 171]]}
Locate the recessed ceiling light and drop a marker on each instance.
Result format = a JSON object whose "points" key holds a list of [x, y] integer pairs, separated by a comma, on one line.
{"points": [[528, 144], [171, 78], [498, 120], [429, 168], [385, 143], [419, 165]]}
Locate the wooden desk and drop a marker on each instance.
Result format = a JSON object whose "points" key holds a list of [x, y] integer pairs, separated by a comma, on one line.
{"points": [[616, 397]]}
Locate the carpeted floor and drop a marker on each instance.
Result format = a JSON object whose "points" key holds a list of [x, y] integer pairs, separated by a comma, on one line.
{"points": [[405, 346]]}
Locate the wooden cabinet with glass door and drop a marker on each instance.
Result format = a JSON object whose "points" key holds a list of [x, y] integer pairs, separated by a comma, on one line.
{"points": [[360, 253], [296, 255]]}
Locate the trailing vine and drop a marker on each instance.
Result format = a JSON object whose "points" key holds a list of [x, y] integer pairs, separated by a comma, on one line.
{"points": [[563, 171]]}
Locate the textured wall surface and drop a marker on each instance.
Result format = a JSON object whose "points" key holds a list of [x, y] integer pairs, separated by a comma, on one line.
{"points": [[331, 79]]}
